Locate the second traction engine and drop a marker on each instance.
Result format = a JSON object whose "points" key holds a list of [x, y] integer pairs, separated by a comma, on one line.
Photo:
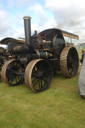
{"points": [[39, 57]]}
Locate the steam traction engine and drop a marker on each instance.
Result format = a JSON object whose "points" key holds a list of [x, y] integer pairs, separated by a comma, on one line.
{"points": [[4, 54], [39, 57]]}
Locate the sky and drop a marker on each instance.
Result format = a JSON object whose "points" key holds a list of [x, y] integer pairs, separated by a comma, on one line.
{"points": [[68, 15]]}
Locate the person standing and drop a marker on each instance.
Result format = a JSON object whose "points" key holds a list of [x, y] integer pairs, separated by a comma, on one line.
{"points": [[83, 54]]}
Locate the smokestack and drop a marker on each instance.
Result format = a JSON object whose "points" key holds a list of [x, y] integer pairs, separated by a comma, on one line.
{"points": [[27, 27]]}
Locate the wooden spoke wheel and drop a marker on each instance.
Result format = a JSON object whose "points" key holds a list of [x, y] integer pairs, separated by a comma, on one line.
{"points": [[38, 75], [69, 61], [10, 73]]}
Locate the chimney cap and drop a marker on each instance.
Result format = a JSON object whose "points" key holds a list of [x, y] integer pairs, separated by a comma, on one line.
{"points": [[26, 17]]}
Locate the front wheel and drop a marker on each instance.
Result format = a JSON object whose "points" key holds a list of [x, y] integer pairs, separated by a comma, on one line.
{"points": [[38, 75], [11, 73]]}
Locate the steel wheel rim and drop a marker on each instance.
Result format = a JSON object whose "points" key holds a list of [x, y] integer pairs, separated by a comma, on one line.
{"points": [[69, 61], [37, 80], [9, 76]]}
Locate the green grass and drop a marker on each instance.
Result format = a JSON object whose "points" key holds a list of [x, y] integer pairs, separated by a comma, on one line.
{"points": [[58, 107]]}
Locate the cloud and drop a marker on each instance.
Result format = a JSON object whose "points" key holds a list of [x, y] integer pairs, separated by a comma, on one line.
{"points": [[39, 14], [40, 18], [20, 3], [4, 25], [9, 26], [68, 15]]}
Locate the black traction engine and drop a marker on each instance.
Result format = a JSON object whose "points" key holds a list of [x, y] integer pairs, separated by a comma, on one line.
{"points": [[39, 57]]}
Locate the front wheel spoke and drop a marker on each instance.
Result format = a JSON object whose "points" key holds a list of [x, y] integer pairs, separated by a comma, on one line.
{"points": [[33, 80], [16, 78], [10, 81], [44, 79], [39, 84], [11, 77], [20, 79], [35, 83]]}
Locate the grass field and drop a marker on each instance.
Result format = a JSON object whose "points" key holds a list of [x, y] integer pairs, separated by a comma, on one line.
{"points": [[58, 107]]}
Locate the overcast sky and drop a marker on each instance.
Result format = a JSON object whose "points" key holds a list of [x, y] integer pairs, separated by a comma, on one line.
{"points": [[68, 15]]}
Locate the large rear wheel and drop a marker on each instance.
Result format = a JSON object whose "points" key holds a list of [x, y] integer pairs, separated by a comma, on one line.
{"points": [[69, 61]]}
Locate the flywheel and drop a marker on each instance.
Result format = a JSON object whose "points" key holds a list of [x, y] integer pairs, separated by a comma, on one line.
{"points": [[69, 61], [38, 75]]}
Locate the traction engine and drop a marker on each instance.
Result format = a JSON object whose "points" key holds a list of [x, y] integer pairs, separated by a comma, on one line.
{"points": [[39, 58]]}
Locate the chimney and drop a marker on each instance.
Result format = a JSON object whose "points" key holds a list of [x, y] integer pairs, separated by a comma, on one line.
{"points": [[27, 28]]}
